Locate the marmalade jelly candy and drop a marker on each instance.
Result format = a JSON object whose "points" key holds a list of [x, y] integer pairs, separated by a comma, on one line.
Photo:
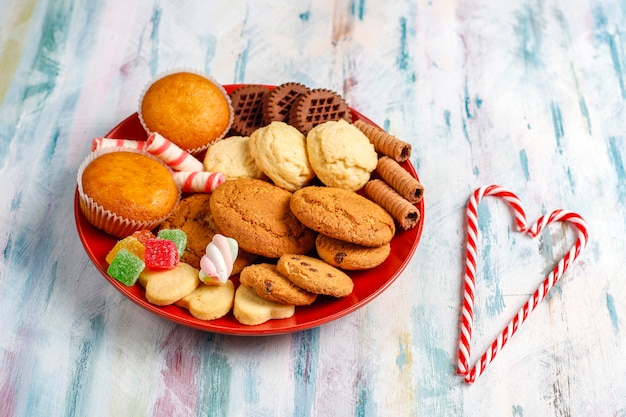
{"points": [[161, 254], [130, 243], [178, 236], [126, 267]]}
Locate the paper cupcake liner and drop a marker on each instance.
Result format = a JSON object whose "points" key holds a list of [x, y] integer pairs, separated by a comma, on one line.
{"points": [[105, 219], [195, 151]]}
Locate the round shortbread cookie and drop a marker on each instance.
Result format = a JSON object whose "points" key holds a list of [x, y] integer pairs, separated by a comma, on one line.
{"points": [[257, 215], [349, 256], [341, 155], [343, 215], [315, 275], [209, 302], [231, 156], [265, 280], [279, 150], [193, 216]]}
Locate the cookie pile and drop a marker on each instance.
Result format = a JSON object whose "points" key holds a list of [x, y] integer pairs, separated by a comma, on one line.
{"points": [[305, 193]]}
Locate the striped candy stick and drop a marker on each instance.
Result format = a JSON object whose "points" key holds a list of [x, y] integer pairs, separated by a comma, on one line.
{"points": [[469, 284], [98, 143], [198, 182], [175, 157]]}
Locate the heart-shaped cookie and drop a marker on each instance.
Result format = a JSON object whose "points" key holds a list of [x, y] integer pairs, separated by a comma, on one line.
{"points": [[467, 308]]}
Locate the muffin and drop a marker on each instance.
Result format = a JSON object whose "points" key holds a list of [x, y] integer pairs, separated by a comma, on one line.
{"points": [[189, 109], [125, 191]]}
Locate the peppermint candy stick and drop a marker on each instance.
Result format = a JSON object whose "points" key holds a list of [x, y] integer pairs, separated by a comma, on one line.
{"points": [[98, 143], [469, 282], [175, 157], [198, 182]]}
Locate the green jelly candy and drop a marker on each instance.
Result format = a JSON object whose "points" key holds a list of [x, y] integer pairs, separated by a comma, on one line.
{"points": [[126, 267], [179, 237]]}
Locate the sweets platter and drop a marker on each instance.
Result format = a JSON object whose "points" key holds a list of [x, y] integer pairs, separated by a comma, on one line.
{"points": [[527, 95]]}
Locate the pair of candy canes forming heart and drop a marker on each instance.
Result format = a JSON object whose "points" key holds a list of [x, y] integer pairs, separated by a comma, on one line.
{"points": [[467, 307]]}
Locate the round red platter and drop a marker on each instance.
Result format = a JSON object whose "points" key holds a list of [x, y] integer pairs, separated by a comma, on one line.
{"points": [[367, 284]]}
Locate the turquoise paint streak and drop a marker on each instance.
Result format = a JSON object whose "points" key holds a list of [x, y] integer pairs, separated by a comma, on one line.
{"points": [[357, 8], [446, 119], [610, 307], [524, 162], [45, 68], [403, 59], [486, 265], [305, 347], [242, 58], [155, 20], [438, 389], [618, 166], [363, 407], [517, 411], [240, 65], [305, 16], [214, 384], [209, 55], [83, 381], [613, 42], [557, 123], [401, 359], [528, 32]]}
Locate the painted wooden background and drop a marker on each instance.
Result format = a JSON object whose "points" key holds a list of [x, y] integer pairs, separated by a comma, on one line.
{"points": [[526, 94]]}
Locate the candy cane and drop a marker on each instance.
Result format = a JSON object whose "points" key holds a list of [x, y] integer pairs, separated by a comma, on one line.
{"points": [[98, 143], [175, 157], [467, 313], [198, 182]]}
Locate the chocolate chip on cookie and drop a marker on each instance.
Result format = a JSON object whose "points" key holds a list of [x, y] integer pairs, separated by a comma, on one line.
{"points": [[265, 280], [315, 275]]}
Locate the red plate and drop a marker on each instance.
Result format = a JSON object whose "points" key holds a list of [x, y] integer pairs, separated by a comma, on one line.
{"points": [[367, 284]]}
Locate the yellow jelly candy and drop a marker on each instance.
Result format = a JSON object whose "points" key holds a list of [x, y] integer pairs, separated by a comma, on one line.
{"points": [[131, 244]]}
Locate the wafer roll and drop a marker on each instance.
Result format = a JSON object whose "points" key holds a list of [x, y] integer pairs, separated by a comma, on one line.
{"points": [[384, 143], [399, 179], [405, 213]]}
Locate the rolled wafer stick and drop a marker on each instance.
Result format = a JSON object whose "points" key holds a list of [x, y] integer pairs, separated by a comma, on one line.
{"points": [[98, 143], [175, 157], [198, 182], [384, 143], [399, 179], [400, 209]]}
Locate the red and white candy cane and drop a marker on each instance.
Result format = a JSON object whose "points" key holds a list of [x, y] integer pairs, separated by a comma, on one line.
{"points": [[198, 182], [175, 157], [98, 143], [467, 308]]}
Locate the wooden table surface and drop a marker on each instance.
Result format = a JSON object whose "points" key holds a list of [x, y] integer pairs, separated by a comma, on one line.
{"points": [[529, 95]]}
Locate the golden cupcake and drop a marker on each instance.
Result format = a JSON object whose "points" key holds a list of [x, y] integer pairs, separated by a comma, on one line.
{"points": [[125, 191], [189, 109]]}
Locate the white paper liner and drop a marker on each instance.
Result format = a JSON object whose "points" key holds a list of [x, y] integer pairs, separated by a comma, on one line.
{"points": [[196, 72], [104, 219]]}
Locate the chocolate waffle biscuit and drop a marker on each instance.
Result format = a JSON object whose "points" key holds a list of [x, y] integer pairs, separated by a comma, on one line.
{"points": [[247, 102], [318, 106], [279, 101]]}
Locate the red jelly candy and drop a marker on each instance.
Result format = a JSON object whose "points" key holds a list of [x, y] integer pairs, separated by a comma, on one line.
{"points": [[160, 254]]}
